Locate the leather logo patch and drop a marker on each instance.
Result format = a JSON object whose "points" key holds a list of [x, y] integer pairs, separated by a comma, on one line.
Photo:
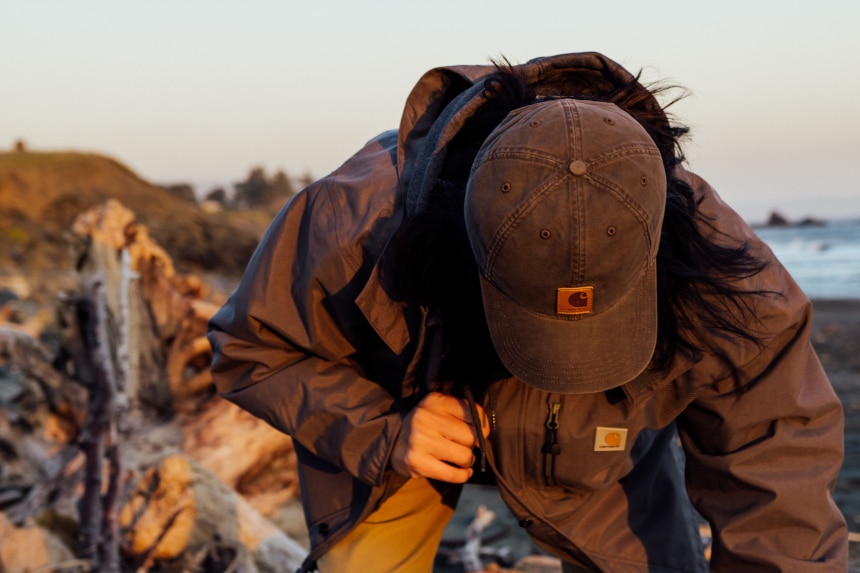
{"points": [[574, 300], [610, 439]]}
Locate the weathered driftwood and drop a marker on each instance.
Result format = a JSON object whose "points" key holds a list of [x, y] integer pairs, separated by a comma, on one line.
{"points": [[57, 482], [114, 252], [110, 228], [64, 397], [180, 508], [98, 535], [167, 352], [243, 451], [134, 358], [470, 550], [37, 443], [189, 356], [30, 548]]}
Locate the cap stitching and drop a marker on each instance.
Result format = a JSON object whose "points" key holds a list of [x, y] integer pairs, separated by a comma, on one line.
{"points": [[625, 197], [513, 220], [620, 152], [576, 246], [525, 153], [628, 201]]}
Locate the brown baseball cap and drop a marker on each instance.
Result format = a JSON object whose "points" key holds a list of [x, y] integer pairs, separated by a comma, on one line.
{"points": [[564, 207]]}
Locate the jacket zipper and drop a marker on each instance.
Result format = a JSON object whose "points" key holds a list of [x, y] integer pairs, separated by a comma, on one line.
{"points": [[551, 448], [476, 420], [492, 393]]}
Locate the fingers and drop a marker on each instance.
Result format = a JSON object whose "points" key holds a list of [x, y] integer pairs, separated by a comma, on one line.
{"points": [[418, 463], [448, 416], [436, 440], [457, 408]]}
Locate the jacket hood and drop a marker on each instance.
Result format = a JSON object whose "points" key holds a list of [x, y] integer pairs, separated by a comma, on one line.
{"points": [[444, 98]]}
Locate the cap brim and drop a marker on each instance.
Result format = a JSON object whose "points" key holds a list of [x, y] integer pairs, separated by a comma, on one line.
{"points": [[576, 355]]}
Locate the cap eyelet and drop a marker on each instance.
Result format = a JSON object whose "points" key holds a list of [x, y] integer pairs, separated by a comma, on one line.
{"points": [[545, 233], [611, 230], [534, 123], [506, 187], [608, 121], [643, 181]]}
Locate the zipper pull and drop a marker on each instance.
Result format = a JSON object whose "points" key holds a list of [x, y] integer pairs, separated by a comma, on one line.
{"points": [[552, 419], [482, 442], [551, 445]]}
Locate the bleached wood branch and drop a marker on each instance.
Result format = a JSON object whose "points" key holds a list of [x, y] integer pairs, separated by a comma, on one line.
{"points": [[472, 549], [469, 551]]}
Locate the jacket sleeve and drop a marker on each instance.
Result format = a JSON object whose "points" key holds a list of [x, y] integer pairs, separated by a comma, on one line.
{"points": [[281, 348], [764, 446]]}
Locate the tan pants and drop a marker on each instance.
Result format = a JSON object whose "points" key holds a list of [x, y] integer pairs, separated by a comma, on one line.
{"points": [[402, 536]]}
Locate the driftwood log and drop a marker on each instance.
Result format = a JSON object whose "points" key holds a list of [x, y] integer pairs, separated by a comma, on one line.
{"points": [[64, 398], [127, 390], [167, 311], [244, 452], [180, 508], [169, 476]]}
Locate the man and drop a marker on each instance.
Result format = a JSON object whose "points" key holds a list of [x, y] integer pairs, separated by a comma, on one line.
{"points": [[522, 285]]}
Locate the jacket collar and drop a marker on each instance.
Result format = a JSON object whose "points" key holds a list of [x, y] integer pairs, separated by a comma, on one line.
{"points": [[385, 316], [444, 98]]}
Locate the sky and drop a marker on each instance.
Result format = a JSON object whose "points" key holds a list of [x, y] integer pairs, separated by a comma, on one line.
{"points": [[201, 91]]}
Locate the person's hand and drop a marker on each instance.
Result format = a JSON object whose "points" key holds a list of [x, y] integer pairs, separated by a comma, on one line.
{"points": [[437, 438]]}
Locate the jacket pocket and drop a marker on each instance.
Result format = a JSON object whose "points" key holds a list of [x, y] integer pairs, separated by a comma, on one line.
{"points": [[551, 440]]}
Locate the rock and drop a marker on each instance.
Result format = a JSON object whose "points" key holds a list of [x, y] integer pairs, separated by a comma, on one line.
{"points": [[776, 220], [810, 222]]}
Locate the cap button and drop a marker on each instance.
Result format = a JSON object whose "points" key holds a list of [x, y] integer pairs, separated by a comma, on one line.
{"points": [[578, 167]]}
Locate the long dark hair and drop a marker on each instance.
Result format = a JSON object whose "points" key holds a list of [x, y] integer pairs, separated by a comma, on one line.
{"points": [[429, 261]]}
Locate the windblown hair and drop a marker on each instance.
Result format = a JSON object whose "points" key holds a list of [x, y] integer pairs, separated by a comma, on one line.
{"points": [[430, 262]]}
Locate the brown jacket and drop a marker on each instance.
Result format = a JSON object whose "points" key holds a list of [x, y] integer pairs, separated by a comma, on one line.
{"points": [[311, 342]]}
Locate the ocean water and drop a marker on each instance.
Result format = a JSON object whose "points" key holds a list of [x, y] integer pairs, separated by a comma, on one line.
{"points": [[824, 260]]}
